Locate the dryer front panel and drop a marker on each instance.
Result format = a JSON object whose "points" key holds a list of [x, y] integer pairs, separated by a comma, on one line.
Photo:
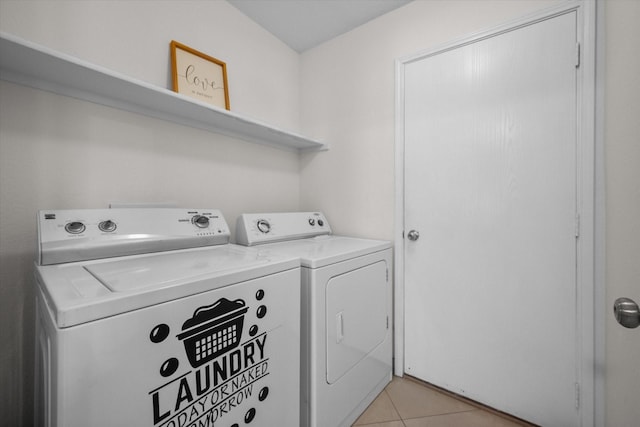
{"points": [[357, 317]]}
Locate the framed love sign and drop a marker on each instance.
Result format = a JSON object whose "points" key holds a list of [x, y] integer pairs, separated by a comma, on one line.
{"points": [[199, 76]]}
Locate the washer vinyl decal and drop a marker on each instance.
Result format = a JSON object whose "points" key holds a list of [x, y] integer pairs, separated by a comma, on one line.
{"points": [[227, 369]]}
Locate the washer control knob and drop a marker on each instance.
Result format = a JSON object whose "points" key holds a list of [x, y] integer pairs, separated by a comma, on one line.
{"points": [[107, 226], [263, 226], [312, 222], [321, 223], [200, 221], [75, 227]]}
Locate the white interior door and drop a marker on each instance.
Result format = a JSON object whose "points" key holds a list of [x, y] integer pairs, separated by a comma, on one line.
{"points": [[490, 185]]}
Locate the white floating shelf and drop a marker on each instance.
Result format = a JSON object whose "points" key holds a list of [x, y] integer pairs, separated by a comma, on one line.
{"points": [[36, 66]]}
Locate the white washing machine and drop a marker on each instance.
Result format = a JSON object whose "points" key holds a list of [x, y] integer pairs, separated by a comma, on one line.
{"points": [[148, 317], [346, 340]]}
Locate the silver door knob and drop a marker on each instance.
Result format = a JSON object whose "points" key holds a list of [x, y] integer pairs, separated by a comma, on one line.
{"points": [[627, 312], [413, 235]]}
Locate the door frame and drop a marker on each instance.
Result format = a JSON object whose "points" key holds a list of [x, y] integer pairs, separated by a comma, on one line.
{"points": [[590, 197]]}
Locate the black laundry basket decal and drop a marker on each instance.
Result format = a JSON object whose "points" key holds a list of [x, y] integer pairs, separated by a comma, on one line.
{"points": [[213, 330]]}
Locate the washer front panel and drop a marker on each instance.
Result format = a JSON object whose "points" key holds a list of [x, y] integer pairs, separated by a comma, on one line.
{"points": [[224, 357]]}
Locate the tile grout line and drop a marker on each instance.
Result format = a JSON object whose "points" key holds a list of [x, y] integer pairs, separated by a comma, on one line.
{"points": [[473, 407], [378, 421], [394, 405], [444, 414], [438, 390], [476, 405]]}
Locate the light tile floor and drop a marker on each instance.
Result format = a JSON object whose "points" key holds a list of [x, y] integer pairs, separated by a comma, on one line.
{"points": [[406, 402]]}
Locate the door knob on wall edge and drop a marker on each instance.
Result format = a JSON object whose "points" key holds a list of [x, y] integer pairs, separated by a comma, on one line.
{"points": [[627, 312], [413, 235]]}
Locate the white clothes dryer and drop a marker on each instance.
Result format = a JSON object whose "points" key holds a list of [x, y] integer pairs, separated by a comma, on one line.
{"points": [[148, 317], [346, 340]]}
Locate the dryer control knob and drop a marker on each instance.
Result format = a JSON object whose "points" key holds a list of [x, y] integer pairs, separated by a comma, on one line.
{"points": [[75, 227], [107, 226], [200, 221], [263, 226]]}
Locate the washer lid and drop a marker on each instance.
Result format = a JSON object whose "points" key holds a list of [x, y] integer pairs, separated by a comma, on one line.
{"points": [[162, 270], [325, 250], [82, 292]]}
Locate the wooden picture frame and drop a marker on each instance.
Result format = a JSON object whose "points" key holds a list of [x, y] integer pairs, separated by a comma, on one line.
{"points": [[199, 76]]}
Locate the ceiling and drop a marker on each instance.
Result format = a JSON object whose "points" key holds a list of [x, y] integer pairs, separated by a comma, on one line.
{"points": [[303, 24]]}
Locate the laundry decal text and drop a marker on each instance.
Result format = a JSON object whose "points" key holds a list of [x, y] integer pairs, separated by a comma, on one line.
{"points": [[227, 372]]}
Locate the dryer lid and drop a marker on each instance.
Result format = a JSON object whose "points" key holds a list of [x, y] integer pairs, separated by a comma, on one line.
{"points": [[325, 250]]}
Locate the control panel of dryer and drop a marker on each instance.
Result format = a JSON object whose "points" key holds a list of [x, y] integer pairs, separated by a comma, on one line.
{"points": [[258, 228], [84, 234]]}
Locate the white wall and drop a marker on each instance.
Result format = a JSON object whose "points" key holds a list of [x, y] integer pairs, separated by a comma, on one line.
{"points": [[622, 154], [57, 152], [132, 37]]}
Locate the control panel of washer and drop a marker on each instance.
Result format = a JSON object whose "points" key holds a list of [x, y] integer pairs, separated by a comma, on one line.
{"points": [[255, 229], [83, 234]]}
